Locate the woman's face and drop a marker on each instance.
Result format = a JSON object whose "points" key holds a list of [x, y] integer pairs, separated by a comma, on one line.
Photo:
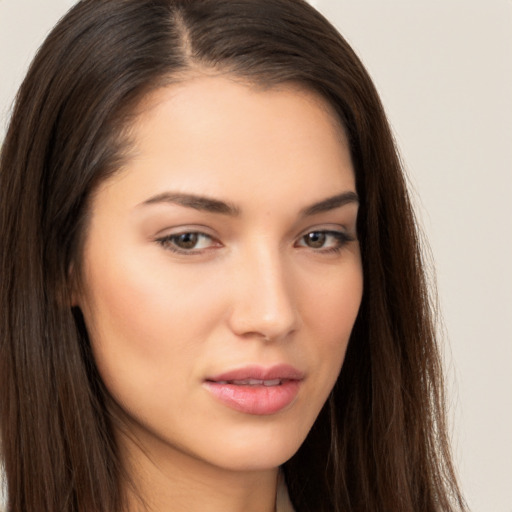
{"points": [[222, 272]]}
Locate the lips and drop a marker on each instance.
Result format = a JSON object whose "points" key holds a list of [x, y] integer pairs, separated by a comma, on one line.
{"points": [[255, 389]]}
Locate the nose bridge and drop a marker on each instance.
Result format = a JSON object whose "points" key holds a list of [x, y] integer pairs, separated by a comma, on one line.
{"points": [[264, 304]]}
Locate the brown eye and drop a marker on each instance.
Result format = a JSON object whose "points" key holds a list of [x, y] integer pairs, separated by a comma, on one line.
{"points": [[325, 241], [315, 239], [186, 240]]}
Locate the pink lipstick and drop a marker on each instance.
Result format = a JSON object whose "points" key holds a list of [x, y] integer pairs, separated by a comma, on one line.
{"points": [[255, 389]]}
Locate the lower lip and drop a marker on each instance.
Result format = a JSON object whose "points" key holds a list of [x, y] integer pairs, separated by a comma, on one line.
{"points": [[258, 400]]}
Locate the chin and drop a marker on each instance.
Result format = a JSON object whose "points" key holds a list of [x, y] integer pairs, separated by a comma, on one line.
{"points": [[258, 452]]}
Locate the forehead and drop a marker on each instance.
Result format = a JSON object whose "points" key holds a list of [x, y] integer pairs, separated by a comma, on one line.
{"points": [[220, 137], [202, 96]]}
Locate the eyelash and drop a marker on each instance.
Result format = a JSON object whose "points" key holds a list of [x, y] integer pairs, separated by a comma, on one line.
{"points": [[341, 239], [168, 242]]}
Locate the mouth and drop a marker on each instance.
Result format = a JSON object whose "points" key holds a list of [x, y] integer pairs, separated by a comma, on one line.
{"points": [[256, 375], [256, 390], [250, 382]]}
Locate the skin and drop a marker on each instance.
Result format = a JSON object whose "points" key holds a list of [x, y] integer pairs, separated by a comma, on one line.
{"points": [[254, 289]]}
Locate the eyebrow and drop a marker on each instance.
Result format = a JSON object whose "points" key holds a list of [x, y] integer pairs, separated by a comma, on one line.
{"points": [[331, 203], [196, 202], [208, 204]]}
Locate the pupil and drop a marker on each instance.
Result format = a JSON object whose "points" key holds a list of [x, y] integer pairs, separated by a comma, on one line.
{"points": [[187, 240], [315, 239]]}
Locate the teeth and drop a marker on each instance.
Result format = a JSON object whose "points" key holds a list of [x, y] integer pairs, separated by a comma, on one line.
{"points": [[256, 382]]}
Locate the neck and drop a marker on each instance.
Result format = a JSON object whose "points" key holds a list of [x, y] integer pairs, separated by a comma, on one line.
{"points": [[163, 479]]}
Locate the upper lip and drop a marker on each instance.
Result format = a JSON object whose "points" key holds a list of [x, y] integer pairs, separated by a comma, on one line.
{"points": [[279, 371]]}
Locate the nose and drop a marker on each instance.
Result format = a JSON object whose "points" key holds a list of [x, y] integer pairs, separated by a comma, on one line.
{"points": [[263, 303]]}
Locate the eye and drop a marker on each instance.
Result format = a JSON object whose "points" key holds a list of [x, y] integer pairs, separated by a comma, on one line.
{"points": [[187, 242], [324, 240]]}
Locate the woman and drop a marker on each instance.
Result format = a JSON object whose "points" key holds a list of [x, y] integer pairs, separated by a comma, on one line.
{"points": [[212, 290]]}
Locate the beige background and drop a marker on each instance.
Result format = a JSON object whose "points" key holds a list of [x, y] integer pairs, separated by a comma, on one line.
{"points": [[444, 70]]}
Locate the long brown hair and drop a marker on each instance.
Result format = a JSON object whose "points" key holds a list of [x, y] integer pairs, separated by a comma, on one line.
{"points": [[380, 442]]}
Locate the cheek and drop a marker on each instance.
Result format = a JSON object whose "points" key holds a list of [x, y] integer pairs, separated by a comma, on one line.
{"points": [[329, 312], [140, 303], [145, 339], [332, 306], [142, 329], [337, 310]]}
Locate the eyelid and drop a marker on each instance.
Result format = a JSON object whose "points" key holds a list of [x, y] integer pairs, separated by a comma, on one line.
{"points": [[330, 228], [184, 228]]}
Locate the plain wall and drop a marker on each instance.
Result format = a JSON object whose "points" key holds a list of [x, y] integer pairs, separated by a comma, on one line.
{"points": [[444, 71]]}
